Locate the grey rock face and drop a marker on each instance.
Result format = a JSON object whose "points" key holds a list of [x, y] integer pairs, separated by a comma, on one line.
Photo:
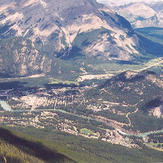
{"points": [[55, 24], [19, 58]]}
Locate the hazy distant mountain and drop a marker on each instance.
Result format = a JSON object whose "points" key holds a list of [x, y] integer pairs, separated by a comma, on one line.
{"points": [[157, 6], [122, 2], [142, 14]]}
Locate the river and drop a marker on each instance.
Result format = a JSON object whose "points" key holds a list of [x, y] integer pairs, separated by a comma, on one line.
{"points": [[5, 106], [143, 135]]}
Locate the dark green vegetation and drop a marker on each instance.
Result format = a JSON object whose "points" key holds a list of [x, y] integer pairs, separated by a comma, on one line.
{"points": [[20, 148], [152, 33], [156, 138], [131, 88], [156, 141], [141, 90], [87, 150], [150, 47], [144, 123]]}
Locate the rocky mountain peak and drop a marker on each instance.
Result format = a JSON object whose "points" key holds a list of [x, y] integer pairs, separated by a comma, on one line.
{"points": [[57, 23]]}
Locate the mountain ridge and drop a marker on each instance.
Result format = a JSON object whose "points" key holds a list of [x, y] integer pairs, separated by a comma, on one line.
{"points": [[142, 14], [63, 24], [68, 30]]}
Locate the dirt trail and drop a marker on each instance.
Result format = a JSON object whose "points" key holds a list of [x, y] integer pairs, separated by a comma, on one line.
{"points": [[129, 113]]}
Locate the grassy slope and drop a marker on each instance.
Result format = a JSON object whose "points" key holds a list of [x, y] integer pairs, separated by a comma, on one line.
{"points": [[88, 150], [20, 148]]}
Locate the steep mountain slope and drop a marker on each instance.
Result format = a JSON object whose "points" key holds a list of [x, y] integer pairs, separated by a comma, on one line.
{"points": [[152, 33], [15, 148], [19, 57], [55, 24], [59, 31], [132, 87], [142, 14], [157, 6], [18, 152], [139, 93]]}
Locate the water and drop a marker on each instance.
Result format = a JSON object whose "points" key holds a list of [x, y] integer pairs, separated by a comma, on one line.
{"points": [[143, 135], [149, 133], [5, 106]]}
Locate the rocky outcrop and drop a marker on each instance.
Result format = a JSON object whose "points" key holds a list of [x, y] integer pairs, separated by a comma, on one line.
{"points": [[19, 58]]}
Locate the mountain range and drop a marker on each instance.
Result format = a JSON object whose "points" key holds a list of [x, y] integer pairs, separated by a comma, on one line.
{"points": [[39, 31], [77, 68], [141, 14]]}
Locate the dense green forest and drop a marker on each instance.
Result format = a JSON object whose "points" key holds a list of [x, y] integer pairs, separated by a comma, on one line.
{"points": [[80, 149], [19, 148]]}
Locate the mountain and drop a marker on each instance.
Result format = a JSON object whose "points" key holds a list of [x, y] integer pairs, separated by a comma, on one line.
{"points": [[57, 25], [138, 93], [137, 86], [19, 57], [157, 6], [142, 14], [77, 67], [64, 30]]}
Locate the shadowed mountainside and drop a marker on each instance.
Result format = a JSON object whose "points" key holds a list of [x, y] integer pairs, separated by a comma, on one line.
{"points": [[35, 149]]}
